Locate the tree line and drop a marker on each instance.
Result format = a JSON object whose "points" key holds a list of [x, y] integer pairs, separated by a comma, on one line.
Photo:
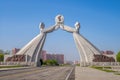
{"points": [[50, 62], [2, 53]]}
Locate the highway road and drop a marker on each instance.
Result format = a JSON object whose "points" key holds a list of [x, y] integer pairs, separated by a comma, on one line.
{"points": [[37, 73]]}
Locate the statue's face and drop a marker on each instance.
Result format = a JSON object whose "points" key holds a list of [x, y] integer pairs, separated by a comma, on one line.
{"points": [[59, 19]]}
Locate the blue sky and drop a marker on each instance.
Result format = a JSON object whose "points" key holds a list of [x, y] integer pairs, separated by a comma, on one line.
{"points": [[100, 23]]}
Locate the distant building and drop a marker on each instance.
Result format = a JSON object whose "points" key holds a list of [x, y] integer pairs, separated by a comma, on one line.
{"points": [[15, 50], [58, 57], [69, 62], [76, 62], [43, 55]]}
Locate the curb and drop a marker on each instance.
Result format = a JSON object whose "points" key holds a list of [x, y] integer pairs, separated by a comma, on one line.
{"points": [[8, 69]]}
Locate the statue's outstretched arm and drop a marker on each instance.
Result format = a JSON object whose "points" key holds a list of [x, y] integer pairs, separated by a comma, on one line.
{"points": [[50, 29], [47, 30], [70, 29], [67, 28]]}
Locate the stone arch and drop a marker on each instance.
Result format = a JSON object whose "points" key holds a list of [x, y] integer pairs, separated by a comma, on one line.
{"points": [[34, 47]]}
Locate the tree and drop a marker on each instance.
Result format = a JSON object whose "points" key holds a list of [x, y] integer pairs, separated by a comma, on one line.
{"points": [[1, 57], [50, 62], [55, 62], [7, 52], [118, 56], [1, 51]]}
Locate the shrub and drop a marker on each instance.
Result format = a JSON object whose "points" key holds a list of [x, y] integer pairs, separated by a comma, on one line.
{"points": [[118, 56], [1, 57]]}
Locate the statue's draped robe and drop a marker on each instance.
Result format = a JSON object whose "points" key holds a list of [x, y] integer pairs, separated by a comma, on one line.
{"points": [[85, 48], [33, 49]]}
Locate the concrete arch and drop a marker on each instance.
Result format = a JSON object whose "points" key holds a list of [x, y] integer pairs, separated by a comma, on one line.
{"points": [[34, 47]]}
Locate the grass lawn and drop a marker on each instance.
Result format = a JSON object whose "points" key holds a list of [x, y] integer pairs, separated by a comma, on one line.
{"points": [[12, 66], [106, 69]]}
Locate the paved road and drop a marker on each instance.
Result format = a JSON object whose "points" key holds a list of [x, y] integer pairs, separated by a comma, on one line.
{"points": [[43, 73], [85, 73]]}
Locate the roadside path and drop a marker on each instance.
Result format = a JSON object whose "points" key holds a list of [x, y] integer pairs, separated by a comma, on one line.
{"points": [[86, 73]]}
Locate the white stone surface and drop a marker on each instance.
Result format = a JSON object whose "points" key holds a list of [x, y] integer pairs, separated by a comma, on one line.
{"points": [[34, 47]]}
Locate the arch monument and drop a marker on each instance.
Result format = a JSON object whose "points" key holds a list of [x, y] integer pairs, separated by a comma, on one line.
{"points": [[85, 48]]}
